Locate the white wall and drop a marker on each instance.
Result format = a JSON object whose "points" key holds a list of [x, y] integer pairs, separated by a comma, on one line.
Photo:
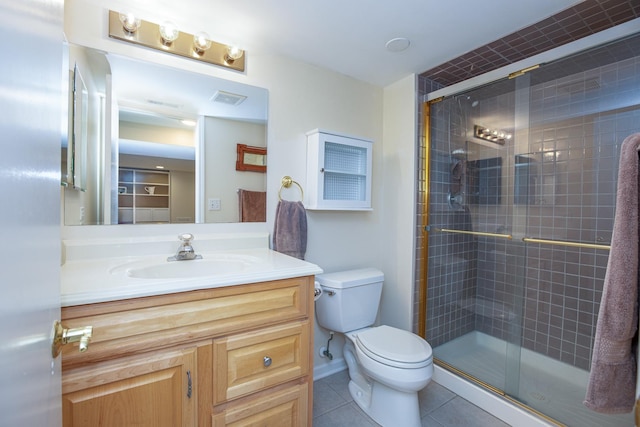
{"points": [[303, 97], [157, 134], [183, 196], [399, 192], [221, 179]]}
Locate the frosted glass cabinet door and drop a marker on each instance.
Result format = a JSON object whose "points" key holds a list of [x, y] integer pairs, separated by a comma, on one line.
{"points": [[338, 171]]}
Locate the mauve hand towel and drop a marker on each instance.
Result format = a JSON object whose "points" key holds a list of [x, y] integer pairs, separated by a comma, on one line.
{"points": [[253, 206], [612, 380], [290, 229]]}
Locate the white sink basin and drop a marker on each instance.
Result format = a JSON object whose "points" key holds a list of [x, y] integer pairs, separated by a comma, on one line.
{"points": [[208, 266]]}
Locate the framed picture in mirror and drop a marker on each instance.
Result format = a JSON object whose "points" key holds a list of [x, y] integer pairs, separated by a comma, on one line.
{"points": [[253, 159]]}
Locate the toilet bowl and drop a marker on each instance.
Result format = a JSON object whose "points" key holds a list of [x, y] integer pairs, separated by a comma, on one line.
{"points": [[386, 388], [394, 357], [387, 366]]}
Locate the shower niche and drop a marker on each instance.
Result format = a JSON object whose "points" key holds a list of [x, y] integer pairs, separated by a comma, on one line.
{"points": [[476, 180], [484, 181]]}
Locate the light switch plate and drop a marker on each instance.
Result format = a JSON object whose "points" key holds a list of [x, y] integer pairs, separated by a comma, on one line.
{"points": [[213, 204]]}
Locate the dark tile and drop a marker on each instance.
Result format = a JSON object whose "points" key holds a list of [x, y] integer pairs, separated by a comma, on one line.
{"points": [[459, 412], [588, 17], [433, 396]]}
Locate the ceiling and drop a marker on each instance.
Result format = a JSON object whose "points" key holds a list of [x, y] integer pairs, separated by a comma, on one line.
{"points": [[349, 37]]}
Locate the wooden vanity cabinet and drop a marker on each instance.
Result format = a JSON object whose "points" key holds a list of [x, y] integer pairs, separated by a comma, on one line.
{"points": [[232, 356]]}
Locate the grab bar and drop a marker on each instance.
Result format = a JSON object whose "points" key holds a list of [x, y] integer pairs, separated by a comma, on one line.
{"points": [[565, 243], [474, 233], [524, 239]]}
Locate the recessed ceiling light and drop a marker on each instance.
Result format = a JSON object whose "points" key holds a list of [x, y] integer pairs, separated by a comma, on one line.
{"points": [[188, 122], [398, 44], [159, 167]]}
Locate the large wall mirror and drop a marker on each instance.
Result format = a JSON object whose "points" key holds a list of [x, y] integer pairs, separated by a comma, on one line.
{"points": [[162, 144]]}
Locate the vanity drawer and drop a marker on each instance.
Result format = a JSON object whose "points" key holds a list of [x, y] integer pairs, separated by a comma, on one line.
{"points": [[288, 407], [253, 361], [156, 322]]}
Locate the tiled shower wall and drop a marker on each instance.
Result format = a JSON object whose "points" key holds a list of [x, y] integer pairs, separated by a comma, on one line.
{"points": [[578, 123], [576, 126]]}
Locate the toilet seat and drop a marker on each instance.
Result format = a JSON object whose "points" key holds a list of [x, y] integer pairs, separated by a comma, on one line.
{"points": [[394, 347]]}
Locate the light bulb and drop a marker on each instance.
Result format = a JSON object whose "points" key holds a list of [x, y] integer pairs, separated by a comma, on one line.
{"points": [[129, 22], [233, 53], [169, 32], [201, 42]]}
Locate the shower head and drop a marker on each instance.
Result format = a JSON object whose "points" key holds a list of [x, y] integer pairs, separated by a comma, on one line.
{"points": [[467, 98]]}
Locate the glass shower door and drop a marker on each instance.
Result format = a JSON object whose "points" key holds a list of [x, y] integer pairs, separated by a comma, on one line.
{"points": [[519, 229], [476, 269]]}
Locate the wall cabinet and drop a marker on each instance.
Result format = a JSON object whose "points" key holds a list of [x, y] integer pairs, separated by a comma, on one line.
{"points": [[143, 196], [338, 171], [238, 355]]}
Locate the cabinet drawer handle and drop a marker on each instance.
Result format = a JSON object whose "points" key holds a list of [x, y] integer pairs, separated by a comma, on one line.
{"points": [[267, 361], [189, 387]]}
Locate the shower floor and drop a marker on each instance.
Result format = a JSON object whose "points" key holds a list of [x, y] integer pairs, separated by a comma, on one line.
{"points": [[553, 388]]}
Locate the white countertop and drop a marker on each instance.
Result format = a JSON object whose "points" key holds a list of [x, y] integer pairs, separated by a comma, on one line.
{"points": [[92, 280]]}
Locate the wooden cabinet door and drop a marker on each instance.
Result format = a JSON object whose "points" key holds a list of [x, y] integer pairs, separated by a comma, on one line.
{"points": [[146, 391]]}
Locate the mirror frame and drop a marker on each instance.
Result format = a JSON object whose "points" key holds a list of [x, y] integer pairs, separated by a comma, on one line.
{"points": [[77, 147], [243, 163]]}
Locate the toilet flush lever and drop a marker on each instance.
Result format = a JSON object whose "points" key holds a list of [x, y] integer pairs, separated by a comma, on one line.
{"points": [[62, 336]]}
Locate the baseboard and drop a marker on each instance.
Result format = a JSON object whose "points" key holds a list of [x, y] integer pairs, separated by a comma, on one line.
{"points": [[329, 368]]}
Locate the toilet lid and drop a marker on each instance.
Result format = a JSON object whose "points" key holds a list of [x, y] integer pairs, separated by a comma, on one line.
{"points": [[394, 345]]}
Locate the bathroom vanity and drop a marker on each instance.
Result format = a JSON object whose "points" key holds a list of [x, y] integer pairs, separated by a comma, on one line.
{"points": [[231, 349]]}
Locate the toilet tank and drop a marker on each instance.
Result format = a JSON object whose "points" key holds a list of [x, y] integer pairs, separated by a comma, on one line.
{"points": [[350, 299]]}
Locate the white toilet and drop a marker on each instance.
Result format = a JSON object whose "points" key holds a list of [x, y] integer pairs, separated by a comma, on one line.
{"points": [[387, 366]]}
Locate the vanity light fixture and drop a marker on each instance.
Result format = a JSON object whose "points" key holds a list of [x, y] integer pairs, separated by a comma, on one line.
{"points": [[489, 134], [188, 122], [167, 38], [233, 53], [168, 32], [201, 42], [130, 23]]}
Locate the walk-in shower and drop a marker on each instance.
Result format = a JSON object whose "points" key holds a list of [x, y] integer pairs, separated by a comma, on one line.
{"points": [[518, 227]]}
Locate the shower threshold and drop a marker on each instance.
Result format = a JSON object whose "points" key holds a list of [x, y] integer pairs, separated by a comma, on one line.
{"points": [[553, 388]]}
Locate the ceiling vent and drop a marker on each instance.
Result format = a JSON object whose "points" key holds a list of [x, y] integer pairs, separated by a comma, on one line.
{"points": [[228, 98]]}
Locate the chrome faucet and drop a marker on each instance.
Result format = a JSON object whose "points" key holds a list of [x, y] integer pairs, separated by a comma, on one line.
{"points": [[185, 251]]}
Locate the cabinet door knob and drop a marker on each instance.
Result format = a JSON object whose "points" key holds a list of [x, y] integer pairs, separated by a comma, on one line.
{"points": [[267, 361]]}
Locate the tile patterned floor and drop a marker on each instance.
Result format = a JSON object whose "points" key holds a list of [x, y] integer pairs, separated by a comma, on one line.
{"points": [[439, 407]]}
